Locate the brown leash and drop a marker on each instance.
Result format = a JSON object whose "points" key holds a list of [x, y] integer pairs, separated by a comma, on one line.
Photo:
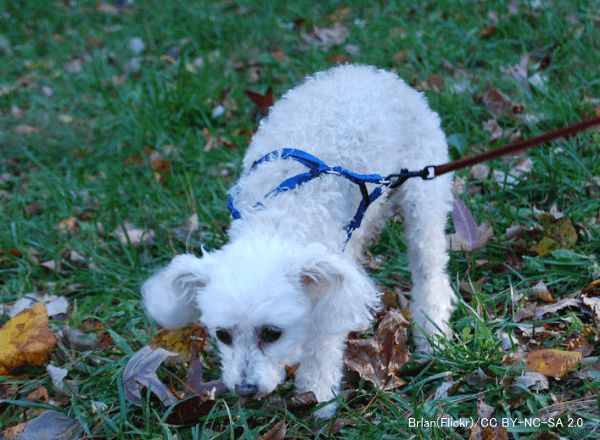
{"points": [[535, 141]]}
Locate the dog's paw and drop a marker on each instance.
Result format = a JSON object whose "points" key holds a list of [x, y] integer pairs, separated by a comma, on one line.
{"points": [[326, 412]]}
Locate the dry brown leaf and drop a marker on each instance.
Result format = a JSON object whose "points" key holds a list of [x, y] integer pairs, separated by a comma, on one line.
{"points": [[181, 340], [492, 127], [25, 129], [203, 394], [540, 291], [40, 394], [593, 289], [435, 83], [519, 70], [277, 432], [129, 234], [49, 425], [488, 433], [262, 102], [69, 224], [13, 432], [26, 339], [328, 37], [140, 372], [553, 363], [496, 101], [541, 311], [379, 359], [593, 302]]}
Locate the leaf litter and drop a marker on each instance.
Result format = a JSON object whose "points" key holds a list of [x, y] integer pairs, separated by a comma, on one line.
{"points": [[26, 340], [379, 359]]}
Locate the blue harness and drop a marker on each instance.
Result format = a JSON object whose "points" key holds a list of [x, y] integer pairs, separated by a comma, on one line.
{"points": [[317, 167]]}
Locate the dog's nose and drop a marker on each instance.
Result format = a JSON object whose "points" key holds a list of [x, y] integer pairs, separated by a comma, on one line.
{"points": [[246, 389]]}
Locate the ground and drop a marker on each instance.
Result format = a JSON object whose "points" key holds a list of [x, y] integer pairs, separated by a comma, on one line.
{"points": [[133, 114]]}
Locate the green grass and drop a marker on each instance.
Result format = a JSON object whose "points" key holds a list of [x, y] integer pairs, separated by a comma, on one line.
{"points": [[96, 167]]}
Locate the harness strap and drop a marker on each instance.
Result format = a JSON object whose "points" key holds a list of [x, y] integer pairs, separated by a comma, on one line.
{"points": [[317, 168]]}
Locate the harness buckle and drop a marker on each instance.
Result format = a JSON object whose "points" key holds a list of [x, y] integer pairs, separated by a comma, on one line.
{"points": [[428, 173]]}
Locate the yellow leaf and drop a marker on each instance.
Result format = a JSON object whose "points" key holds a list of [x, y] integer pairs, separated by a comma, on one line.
{"points": [[180, 340], [26, 339], [552, 363]]}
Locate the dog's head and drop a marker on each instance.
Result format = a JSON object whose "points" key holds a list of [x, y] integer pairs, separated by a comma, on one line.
{"points": [[264, 301]]}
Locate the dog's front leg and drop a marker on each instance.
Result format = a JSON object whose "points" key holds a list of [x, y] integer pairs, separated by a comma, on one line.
{"points": [[321, 370]]}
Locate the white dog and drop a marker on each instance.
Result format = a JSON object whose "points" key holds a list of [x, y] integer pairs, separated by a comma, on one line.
{"points": [[287, 289]]}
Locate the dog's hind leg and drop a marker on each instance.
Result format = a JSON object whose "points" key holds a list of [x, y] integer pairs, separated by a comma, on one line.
{"points": [[425, 206]]}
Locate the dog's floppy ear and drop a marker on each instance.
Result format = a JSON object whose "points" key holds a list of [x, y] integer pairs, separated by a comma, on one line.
{"points": [[169, 295], [342, 293]]}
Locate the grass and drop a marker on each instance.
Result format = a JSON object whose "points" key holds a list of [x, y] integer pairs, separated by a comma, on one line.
{"points": [[87, 157]]}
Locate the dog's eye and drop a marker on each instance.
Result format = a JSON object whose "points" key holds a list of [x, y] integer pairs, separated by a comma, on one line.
{"points": [[224, 336], [270, 334]]}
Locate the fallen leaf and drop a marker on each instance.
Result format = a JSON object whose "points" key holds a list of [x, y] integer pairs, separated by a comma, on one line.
{"points": [[558, 233], [181, 340], [488, 432], [106, 8], [594, 305], [441, 391], [69, 224], [532, 381], [129, 234], [26, 340], [591, 372], [519, 70], [136, 45], [539, 81], [34, 208], [78, 340], [297, 404], [484, 234], [65, 119], [50, 265], [492, 127], [484, 410], [327, 37], [487, 31], [592, 289], [25, 129], [40, 394], [464, 223], [540, 291], [340, 13], [277, 432], [552, 362], [480, 171], [515, 231], [51, 425], [496, 101], [55, 305], [262, 102], [140, 372], [477, 378], [380, 358], [57, 375], [435, 83], [202, 394], [12, 432], [73, 66], [525, 313], [541, 311]]}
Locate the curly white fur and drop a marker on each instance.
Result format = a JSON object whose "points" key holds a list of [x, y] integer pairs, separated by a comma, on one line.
{"points": [[286, 265]]}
